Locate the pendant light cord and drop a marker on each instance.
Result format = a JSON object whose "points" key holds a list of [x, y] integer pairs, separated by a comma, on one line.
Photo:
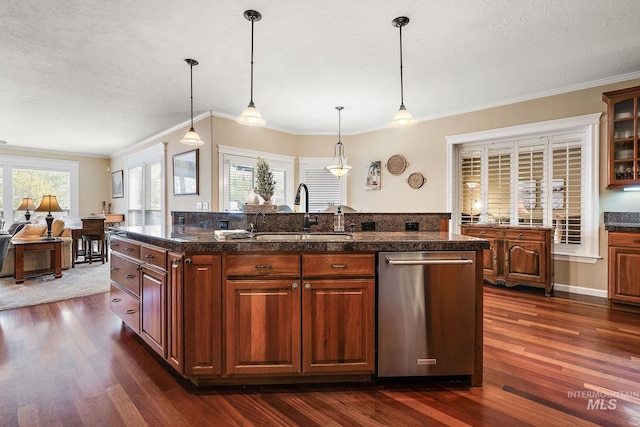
{"points": [[251, 100], [401, 79], [191, 72]]}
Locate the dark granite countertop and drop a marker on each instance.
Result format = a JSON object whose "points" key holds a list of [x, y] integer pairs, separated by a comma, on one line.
{"points": [[628, 222], [195, 239]]}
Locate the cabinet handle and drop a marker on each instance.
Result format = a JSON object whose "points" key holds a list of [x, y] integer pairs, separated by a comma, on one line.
{"points": [[130, 276], [149, 256], [116, 300], [520, 235], [188, 261], [115, 268], [338, 265], [482, 233], [128, 249], [175, 263], [307, 285], [130, 311], [636, 241], [294, 286], [263, 266], [113, 245]]}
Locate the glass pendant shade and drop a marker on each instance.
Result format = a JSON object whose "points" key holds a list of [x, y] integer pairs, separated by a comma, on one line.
{"points": [[402, 118], [191, 138], [251, 117], [338, 164]]}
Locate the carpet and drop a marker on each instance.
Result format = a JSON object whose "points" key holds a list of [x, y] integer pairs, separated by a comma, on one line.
{"points": [[84, 279]]}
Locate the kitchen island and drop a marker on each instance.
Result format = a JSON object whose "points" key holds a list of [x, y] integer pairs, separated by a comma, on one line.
{"points": [[279, 309]]}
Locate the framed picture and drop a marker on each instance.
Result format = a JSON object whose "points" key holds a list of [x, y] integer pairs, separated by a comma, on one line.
{"points": [[185, 173], [117, 184], [373, 176], [528, 194]]}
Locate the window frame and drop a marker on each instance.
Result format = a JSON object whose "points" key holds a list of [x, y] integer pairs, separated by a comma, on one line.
{"points": [[589, 249], [8, 163], [226, 153], [142, 158]]}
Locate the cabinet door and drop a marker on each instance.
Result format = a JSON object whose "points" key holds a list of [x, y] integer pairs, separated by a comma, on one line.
{"points": [[338, 326], [153, 306], [203, 320], [262, 327], [175, 348], [624, 270], [490, 259], [524, 261]]}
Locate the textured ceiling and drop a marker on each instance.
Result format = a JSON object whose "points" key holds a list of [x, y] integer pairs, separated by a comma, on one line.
{"points": [[96, 76]]}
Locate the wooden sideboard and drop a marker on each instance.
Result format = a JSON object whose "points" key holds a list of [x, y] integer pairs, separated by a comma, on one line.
{"points": [[518, 255]]}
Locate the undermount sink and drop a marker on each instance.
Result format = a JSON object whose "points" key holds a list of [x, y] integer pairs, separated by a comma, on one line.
{"points": [[324, 237]]}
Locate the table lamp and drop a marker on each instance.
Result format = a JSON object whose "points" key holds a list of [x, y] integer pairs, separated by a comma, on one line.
{"points": [[27, 203], [49, 204]]}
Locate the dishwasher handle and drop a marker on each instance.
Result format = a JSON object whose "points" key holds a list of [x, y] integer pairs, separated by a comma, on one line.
{"points": [[393, 262]]}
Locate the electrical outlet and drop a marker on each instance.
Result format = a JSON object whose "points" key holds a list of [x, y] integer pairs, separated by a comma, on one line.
{"points": [[198, 206], [205, 206]]}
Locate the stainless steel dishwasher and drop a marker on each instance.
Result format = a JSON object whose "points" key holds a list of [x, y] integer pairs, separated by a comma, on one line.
{"points": [[426, 313]]}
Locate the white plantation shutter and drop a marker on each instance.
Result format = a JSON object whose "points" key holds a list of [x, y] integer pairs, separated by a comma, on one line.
{"points": [[324, 189], [135, 196], [153, 193], [145, 187], [497, 197], [544, 179]]}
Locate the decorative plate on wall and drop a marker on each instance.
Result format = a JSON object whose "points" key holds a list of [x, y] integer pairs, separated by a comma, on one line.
{"points": [[416, 180], [397, 164]]}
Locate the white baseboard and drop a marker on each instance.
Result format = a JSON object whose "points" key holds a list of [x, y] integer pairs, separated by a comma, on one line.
{"points": [[580, 290]]}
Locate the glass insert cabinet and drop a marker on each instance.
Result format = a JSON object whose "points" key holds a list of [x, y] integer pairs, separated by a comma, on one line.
{"points": [[623, 136]]}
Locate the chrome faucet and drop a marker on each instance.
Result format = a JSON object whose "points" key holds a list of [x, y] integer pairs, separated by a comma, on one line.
{"points": [[307, 222]]}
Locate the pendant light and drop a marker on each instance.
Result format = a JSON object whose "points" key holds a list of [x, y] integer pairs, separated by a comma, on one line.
{"points": [[403, 117], [191, 137], [251, 116], [338, 165]]}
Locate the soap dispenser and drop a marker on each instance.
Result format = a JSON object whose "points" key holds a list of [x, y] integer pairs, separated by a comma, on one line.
{"points": [[338, 221]]}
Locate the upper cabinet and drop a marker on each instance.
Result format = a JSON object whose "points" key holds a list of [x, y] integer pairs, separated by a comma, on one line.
{"points": [[623, 136]]}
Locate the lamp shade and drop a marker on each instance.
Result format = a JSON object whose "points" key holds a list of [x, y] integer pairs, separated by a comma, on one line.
{"points": [[27, 204], [192, 138], [251, 117], [49, 204], [402, 119]]}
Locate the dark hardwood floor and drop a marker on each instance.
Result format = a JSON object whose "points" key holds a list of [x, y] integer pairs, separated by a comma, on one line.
{"points": [[548, 362]]}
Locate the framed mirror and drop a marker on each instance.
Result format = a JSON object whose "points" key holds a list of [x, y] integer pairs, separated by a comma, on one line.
{"points": [[185, 173]]}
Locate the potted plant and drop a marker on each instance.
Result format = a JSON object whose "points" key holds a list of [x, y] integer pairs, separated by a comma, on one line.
{"points": [[265, 184]]}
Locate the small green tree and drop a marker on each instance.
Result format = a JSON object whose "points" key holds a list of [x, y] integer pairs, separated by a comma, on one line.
{"points": [[265, 184]]}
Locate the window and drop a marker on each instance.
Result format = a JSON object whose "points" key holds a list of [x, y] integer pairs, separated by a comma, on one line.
{"points": [[324, 188], [237, 176], [543, 174], [145, 187], [22, 177]]}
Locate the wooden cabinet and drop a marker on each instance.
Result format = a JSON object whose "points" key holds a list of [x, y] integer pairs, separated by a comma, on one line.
{"points": [[338, 300], [624, 268], [203, 319], [139, 290], [623, 136], [175, 310], [518, 255], [292, 314]]}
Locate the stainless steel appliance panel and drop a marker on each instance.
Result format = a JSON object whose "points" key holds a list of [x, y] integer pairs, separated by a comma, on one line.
{"points": [[426, 313]]}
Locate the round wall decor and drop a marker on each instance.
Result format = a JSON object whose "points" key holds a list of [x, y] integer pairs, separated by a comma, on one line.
{"points": [[416, 180], [397, 164]]}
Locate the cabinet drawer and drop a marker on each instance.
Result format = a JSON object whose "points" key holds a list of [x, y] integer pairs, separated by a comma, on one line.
{"points": [[319, 265], [524, 235], [126, 273], [153, 255], [126, 247], [263, 265], [514, 234], [624, 239], [126, 307]]}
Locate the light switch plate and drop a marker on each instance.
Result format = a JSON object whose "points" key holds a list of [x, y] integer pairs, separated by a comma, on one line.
{"points": [[198, 205], [205, 206]]}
